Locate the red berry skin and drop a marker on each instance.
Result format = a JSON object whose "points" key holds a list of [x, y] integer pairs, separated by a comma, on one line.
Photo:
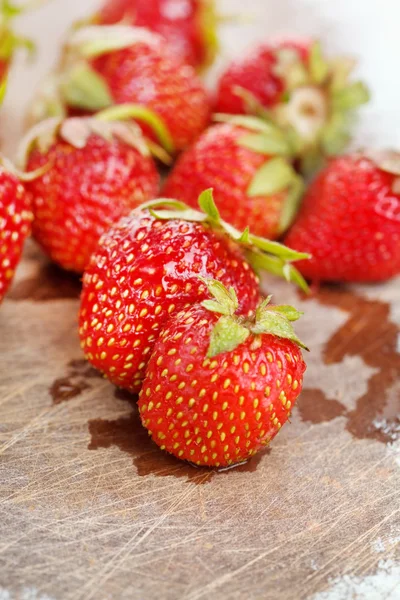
{"points": [[15, 226], [350, 223], [84, 192], [217, 161], [218, 411], [179, 23], [154, 77], [256, 74], [116, 11], [4, 68], [143, 271]]}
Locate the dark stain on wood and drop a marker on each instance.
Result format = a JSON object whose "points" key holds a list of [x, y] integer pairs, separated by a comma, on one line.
{"points": [[50, 283], [370, 334], [82, 367], [128, 434], [74, 382], [64, 389], [315, 407], [126, 396]]}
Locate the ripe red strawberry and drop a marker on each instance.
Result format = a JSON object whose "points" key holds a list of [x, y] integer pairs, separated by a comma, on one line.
{"points": [[219, 388], [292, 83], [147, 267], [189, 26], [15, 225], [246, 163], [120, 65], [350, 220], [97, 172]]}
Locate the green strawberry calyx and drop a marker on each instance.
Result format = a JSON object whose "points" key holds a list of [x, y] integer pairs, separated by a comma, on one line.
{"points": [[231, 330], [207, 22], [276, 175], [23, 176], [80, 85], [94, 40], [318, 105], [123, 112], [10, 41], [264, 136], [262, 254], [3, 89], [320, 99], [83, 88], [76, 132]]}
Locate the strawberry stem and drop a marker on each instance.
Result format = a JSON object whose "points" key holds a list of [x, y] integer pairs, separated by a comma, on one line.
{"points": [[122, 112], [3, 89], [9, 40], [314, 115], [230, 330], [225, 303], [263, 254], [94, 40], [207, 20], [83, 88]]}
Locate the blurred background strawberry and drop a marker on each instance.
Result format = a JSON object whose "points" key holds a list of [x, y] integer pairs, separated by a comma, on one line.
{"points": [[189, 26]]}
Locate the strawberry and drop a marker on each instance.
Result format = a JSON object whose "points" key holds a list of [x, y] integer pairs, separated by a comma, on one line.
{"points": [[350, 220], [292, 84], [219, 386], [129, 66], [15, 224], [189, 26], [93, 172], [147, 267], [246, 162]]}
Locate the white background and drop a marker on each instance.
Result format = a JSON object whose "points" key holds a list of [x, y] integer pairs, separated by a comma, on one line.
{"points": [[367, 29]]}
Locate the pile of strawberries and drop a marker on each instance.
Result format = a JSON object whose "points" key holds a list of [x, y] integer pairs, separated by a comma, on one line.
{"points": [[171, 307]]}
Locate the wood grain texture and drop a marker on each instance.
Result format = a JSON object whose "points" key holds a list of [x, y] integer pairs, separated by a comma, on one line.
{"points": [[91, 509]]}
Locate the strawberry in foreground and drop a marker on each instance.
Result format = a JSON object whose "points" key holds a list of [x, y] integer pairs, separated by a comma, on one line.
{"points": [[147, 268], [350, 220], [294, 85], [247, 163], [94, 172], [189, 26], [15, 224], [129, 66], [219, 386]]}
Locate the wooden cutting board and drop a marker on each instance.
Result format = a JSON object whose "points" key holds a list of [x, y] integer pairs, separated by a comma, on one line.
{"points": [[91, 509]]}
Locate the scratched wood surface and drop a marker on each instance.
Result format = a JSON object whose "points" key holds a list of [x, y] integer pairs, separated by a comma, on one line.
{"points": [[90, 509]]}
